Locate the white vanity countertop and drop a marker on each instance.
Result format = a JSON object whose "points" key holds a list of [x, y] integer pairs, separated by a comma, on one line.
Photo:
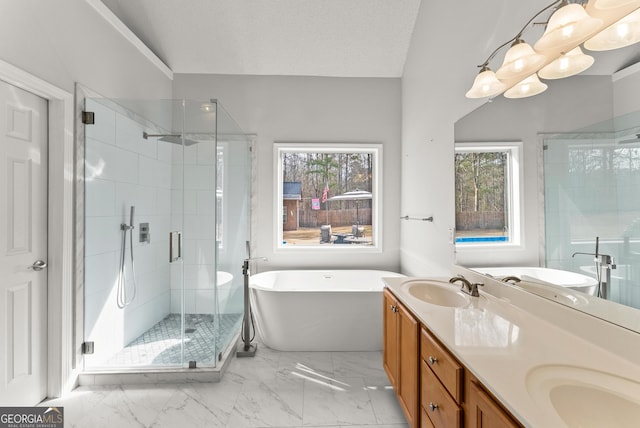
{"points": [[501, 343]]}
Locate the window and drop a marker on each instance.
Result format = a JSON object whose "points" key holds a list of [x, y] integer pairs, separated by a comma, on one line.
{"points": [[328, 196], [487, 194]]}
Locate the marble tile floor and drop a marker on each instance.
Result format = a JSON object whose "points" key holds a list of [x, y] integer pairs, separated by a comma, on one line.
{"points": [[273, 389], [160, 345]]}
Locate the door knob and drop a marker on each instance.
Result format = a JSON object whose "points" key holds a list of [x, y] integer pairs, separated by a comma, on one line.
{"points": [[38, 265]]}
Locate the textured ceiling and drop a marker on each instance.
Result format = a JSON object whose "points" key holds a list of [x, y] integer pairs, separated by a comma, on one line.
{"points": [[350, 38]]}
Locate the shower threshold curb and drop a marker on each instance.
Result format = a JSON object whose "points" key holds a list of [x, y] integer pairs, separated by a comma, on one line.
{"points": [[154, 375]]}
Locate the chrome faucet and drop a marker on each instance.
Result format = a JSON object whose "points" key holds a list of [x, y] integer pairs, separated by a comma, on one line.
{"points": [[603, 262], [467, 287]]}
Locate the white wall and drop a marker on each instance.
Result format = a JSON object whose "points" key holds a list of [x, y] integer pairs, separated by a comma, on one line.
{"points": [[67, 41], [625, 91], [567, 105], [309, 109]]}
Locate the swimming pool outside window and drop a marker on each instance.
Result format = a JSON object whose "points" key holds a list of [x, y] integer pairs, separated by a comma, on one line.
{"points": [[487, 194]]}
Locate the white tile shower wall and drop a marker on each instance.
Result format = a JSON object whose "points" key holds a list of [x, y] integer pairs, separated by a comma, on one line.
{"points": [[193, 213], [123, 169]]}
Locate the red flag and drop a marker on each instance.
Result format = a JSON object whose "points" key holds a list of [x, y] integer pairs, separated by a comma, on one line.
{"points": [[325, 193]]}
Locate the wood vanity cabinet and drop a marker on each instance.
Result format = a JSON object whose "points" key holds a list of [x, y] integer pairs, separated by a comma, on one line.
{"points": [[400, 355], [441, 384], [433, 388], [483, 411]]}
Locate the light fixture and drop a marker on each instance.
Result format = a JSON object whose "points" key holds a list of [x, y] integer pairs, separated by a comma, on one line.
{"points": [[622, 33], [207, 107], [609, 24], [570, 24], [527, 88], [486, 84], [520, 61], [569, 64]]}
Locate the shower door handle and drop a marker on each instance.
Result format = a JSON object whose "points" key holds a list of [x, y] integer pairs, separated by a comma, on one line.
{"points": [[175, 246]]}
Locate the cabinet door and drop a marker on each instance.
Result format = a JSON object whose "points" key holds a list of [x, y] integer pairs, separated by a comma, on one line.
{"points": [[409, 376], [390, 338], [484, 412]]}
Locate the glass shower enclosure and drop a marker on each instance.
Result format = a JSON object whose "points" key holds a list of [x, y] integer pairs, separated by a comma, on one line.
{"points": [[166, 224], [591, 182]]}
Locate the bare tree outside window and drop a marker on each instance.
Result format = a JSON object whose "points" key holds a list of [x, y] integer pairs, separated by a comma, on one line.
{"points": [[328, 197], [483, 195]]}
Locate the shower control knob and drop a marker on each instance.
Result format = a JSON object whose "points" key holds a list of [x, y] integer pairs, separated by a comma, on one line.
{"points": [[38, 265]]}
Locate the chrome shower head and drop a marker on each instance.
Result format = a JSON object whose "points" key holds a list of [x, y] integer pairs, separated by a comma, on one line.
{"points": [[170, 138]]}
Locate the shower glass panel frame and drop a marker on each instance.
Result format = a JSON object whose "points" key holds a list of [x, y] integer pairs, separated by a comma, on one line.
{"points": [[591, 180], [182, 289]]}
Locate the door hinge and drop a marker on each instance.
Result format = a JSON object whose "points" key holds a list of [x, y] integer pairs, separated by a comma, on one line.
{"points": [[87, 348], [88, 118]]}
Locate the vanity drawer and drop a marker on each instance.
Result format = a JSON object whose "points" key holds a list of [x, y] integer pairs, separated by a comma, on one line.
{"points": [[425, 422], [440, 408], [445, 367]]}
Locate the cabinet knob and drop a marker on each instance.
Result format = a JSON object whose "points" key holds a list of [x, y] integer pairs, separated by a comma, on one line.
{"points": [[433, 407], [394, 308], [432, 360]]}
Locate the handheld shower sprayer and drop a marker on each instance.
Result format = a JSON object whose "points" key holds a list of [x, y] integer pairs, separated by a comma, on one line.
{"points": [[122, 299]]}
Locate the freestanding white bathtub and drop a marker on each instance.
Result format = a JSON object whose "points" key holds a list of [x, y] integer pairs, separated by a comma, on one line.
{"points": [[562, 278], [319, 310]]}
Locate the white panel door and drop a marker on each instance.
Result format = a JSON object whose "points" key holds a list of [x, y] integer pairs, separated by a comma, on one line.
{"points": [[23, 247]]}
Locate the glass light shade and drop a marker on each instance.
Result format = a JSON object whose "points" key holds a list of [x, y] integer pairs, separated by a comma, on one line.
{"points": [[520, 61], [573, 62], [486, 84], [568, 26], [618, 35], [527, 88], [612, 4]]}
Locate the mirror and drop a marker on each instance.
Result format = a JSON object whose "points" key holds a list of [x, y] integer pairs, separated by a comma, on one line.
{"points": [[581, 172]]}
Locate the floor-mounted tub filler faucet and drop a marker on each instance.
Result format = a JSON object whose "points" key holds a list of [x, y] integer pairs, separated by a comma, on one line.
{"points": [[603, 262], [467, 287], [248, 349]]}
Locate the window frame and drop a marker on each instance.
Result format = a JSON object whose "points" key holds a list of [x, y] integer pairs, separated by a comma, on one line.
{"points": [[515, 193], [376, 189]]}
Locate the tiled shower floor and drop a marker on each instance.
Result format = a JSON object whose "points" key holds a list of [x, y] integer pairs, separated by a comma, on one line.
{"points": [[160, 345]]}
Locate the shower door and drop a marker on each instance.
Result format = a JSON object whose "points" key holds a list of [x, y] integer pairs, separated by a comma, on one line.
{"points": [[233, 202], [150, 210], [131, 204]]}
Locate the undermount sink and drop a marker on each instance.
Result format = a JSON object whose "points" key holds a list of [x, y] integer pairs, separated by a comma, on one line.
{"points": [[585, 398], [553, 292], [437, 293]]}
